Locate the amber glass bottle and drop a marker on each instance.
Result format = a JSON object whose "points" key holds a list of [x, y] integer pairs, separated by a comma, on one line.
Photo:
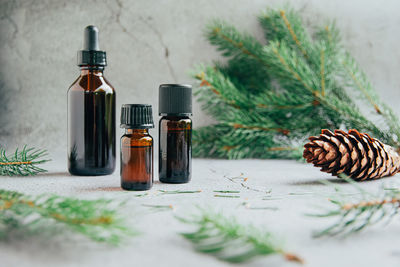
{"points": [[136, 147], [175, 133], [91, 113]]}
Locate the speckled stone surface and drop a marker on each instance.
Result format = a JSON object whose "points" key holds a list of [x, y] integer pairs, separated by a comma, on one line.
{"points": [[295, 191]]}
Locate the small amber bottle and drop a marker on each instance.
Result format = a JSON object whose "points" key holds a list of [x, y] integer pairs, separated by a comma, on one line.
{"points": [[136, 147], [175, 133]]}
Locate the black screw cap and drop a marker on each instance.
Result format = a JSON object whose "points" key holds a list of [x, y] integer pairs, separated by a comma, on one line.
{"points": [[136, 116], [175, 99]]}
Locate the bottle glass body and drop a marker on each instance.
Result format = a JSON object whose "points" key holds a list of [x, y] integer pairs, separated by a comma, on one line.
{"points": [[91, 124], [136, 160], [175, 149]]}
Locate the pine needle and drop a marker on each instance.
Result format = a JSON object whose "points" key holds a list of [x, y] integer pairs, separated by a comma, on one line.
{"points": [[353, 216], [227, 196], [226, 191], [159, 207], [96, 219], [22, 163], [179, 192], [241, 180], [226, 239]]}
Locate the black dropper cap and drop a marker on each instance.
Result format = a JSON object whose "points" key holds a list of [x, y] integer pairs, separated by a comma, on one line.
{"points": [[175, 99], [91, 54], [136, 116]]}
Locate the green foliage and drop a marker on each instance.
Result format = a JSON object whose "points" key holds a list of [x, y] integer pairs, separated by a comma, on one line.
{"points": [[268, 98], [96, 219], [23, 163], [230, 241], [369, 209]]}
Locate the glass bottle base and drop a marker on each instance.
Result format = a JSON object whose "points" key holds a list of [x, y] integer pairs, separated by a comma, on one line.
{"points": [[180, 180], [136, 186], [91, 171]]}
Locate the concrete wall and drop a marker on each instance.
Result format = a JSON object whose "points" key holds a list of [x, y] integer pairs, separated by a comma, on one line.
{"points": [[151, 42]]}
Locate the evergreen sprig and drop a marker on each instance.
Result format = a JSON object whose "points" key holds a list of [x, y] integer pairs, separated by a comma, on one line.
{"points": [[352, 217], [268, 98], [23, 163], [21, 214], [226, 239]]}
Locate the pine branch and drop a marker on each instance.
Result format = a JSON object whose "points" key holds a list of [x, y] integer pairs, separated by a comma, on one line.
{"points": [[270, 97], [242, 50], [96, 219], [361, 83], [228, 240], [234, 44], [23, 163], [352, 217]]}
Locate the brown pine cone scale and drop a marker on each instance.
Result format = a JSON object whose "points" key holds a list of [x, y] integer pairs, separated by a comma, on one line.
{"points": [[355, 154]]}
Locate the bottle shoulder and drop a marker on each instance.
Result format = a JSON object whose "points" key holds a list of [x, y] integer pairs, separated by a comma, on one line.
{"points": [[183, 123], [177, 119], [136, 140], [92, 83]]}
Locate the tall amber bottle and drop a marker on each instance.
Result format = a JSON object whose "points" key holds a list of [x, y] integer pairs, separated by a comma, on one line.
{"points": [[175, 133], [91, 113], [136, 147]]}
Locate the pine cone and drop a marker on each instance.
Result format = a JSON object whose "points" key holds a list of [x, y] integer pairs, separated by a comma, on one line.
{"points": [[355, 154]]}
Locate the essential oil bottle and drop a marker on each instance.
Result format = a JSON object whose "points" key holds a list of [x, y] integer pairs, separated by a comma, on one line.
{"points": [[136, 147], [175, 133], [91, 113]]}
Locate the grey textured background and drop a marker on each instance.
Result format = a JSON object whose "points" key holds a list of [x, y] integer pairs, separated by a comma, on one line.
{"points": [[153, 42]]}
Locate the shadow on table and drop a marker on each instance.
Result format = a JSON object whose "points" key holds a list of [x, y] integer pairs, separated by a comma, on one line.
{"points": [[111, 188], [53, 246], [47, 174], [332, 180], [104, 189], [319, 181]]}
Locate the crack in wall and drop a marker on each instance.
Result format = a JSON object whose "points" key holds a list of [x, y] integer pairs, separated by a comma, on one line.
{"points": [[6, 15], [14, 24], [166, 50], [118, 14], [118, 20], [124, 29]]}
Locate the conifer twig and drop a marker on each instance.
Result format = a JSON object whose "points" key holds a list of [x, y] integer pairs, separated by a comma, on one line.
{"points": [[226, 239], [23, 163], [275, 94], [354, 216], [95, 219]]}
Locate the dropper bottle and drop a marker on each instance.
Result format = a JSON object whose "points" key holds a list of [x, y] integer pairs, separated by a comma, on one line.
{"points": [[91, 113]]}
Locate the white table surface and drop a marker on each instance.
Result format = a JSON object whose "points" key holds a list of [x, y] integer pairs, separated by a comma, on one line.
{"points": [[295, 187]]}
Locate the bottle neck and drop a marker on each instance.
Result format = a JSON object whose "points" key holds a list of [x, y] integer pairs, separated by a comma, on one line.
{"points": [[92, 70], [174, 117], [137, 131]]}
